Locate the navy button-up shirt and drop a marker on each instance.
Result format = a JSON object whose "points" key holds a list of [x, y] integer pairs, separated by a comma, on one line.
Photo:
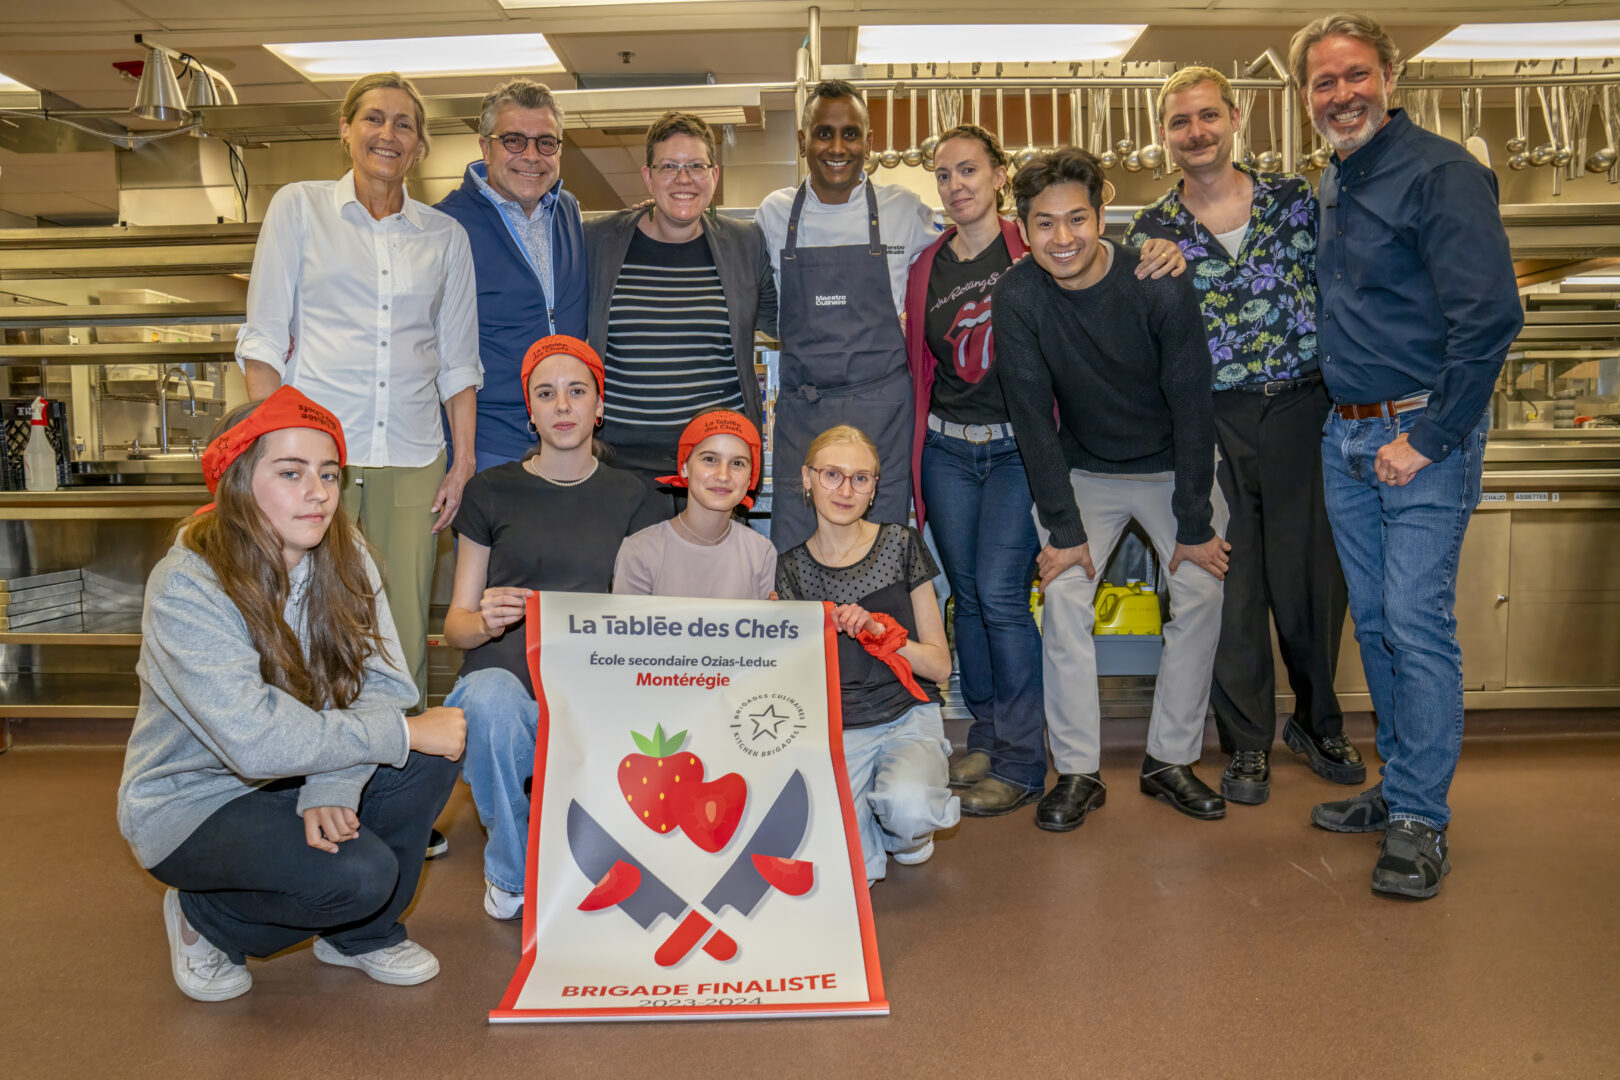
{"points": [[1415, 285]]}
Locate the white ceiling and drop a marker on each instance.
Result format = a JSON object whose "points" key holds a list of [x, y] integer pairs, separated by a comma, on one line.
{"points": [[68, 47]]}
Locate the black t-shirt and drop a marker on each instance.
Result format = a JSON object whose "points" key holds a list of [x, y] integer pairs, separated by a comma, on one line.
{"points": [[544, 536], [957, 326], [881, 581]]}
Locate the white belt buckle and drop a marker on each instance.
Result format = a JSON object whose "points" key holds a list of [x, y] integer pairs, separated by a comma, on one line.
{"points": [[968, 429]]}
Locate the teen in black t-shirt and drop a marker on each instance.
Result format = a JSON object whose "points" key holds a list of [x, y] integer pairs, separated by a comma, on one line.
{"points": [[552, 521], [891, 650]]}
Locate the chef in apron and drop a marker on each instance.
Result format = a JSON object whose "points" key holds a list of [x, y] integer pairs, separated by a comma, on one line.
{"points": [[841, 247]]}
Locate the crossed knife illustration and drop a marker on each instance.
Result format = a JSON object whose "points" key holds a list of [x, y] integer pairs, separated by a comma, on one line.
{"points": [[765, 862]]}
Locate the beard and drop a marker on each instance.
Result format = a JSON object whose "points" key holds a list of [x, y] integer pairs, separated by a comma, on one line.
{"points": [[1361, 136]]}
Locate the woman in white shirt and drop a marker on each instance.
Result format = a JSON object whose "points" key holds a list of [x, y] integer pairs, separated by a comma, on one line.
{"points": [[363, 299]]}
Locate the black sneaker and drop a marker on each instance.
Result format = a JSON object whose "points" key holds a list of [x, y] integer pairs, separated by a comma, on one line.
{"points": [[438, 844], [1366, 812], [1247, 778], [1413, 861], [1334, 758]]}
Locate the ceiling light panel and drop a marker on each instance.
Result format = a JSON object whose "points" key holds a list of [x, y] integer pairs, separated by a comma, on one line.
{"points": [[998, 44], [338, 61], [513, 4], [1527, 41]]}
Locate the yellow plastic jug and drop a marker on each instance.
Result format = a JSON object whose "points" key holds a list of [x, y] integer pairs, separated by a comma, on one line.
{"points": [[1132, 608]]}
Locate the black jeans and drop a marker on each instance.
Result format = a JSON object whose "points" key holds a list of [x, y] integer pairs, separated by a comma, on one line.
{"points": [[1283, 560], [250, 883]]}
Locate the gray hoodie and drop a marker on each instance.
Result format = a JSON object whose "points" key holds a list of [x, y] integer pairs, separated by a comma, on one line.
{"points": [[210, 729]]}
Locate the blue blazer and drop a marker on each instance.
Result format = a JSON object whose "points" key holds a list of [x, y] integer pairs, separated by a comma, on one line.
{"points": [[512, 311]]}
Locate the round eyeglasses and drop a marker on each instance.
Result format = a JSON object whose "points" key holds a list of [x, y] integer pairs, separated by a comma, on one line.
{"points": [[516, 142], [861, 483]]}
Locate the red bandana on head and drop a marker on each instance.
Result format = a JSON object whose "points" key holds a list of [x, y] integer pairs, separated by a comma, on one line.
{"points": [[567, 346], [719, 422], [286, 408]]}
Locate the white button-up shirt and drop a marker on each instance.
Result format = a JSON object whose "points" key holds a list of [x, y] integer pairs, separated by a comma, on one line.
{"points": [[380, 318]]}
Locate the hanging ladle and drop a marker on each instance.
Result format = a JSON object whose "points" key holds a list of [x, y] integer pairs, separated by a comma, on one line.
{"points": [[1605, 159], [1125, 144], [1109, 158], [1518, 147], [912, 155], [1152, 155], [931, 142], [1473, 115], [890, 158], [1030, 150]]}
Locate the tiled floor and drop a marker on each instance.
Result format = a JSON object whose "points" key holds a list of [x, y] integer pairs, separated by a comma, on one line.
{"points": [[1145, 944]]}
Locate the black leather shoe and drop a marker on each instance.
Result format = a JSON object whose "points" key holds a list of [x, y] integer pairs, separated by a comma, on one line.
{"points": [[1065, 807], [969, 769], [1413, 861], [1366, 812], [1333, 758], [992, 798], [1177, 785], [1247, 778]]}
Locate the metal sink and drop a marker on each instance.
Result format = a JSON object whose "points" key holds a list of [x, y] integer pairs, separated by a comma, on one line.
{"points": [[174, 467]]}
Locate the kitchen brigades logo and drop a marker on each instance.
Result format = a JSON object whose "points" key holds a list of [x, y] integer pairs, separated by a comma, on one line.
{"points": [[767, 724]]}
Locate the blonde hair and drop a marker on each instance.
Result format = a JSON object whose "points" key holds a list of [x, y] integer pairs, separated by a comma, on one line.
{"points": [[1189, 77], [843, 433], [386, 80], [1342, 24]]}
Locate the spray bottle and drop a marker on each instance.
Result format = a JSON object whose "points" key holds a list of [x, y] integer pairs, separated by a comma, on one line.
{"points": [[39, 459]]}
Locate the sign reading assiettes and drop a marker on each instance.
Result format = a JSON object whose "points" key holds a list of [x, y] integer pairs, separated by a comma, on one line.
{"points": [[692, 848]]}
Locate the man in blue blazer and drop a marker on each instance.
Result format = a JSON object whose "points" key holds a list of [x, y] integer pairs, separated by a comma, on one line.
{"points": [[528, 249]]}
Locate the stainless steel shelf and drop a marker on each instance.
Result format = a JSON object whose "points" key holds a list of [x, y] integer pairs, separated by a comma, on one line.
{"points": [[125, 261], [134, 352], [69, 695], [180, 314]]}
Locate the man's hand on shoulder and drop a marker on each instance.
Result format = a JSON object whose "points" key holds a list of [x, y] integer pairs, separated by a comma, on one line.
{"points": [[1160, 257]]}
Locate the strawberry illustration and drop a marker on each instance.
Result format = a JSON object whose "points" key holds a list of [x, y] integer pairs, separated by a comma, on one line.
{"points": [[655, 780], [711, 812]]}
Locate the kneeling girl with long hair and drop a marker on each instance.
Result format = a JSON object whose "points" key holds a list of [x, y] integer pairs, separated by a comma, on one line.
{"points": [[272, 778]]}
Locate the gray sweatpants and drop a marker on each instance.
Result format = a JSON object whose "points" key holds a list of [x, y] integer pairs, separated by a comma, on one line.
{"points": [[1069, 656]]}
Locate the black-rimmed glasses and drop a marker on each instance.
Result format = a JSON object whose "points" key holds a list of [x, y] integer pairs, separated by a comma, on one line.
{"points": [[516, 142]]}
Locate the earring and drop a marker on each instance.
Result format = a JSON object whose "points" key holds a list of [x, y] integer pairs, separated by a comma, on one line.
{"points": [[806, 493], [532, 429]]}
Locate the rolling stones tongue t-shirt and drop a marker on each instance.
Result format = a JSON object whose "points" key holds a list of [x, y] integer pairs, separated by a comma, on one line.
{"points": [[957, 324]]}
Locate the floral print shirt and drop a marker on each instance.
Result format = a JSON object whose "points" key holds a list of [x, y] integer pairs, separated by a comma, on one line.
{"points": [[1260, 307]]}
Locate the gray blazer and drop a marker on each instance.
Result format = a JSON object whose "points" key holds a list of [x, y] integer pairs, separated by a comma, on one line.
{"points": [[745, 277]]}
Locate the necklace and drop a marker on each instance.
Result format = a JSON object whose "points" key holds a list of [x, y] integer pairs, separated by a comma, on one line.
{"points": [[827, 558], [534, 470], [696, 538]]}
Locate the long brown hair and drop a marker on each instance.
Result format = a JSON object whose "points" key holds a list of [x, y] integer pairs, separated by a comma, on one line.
{"points": [[340, 606]]}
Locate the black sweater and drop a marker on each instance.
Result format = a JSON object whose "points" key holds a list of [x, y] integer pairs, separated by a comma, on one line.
{"points": [[1128, 363]]}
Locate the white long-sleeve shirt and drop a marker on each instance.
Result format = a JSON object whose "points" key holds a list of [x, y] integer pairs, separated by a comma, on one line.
{"points": [[380, 317], [904, 220]]}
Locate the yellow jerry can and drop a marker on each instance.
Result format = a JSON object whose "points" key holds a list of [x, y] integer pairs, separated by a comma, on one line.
{"points": [[1128, 609]]}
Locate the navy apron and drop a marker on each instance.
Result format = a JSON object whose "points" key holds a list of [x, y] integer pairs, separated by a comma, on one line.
{"points": [[843, 361]]}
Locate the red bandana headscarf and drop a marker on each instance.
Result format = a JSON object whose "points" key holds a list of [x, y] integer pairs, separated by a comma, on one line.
{"points": [[286, 408], [719, 422], [567, 346]]}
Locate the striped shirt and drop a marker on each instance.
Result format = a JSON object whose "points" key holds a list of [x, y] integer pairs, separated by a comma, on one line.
{"points": [[669, 353]]}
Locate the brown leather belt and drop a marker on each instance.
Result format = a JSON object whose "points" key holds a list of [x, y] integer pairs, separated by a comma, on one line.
{"points": [[1382, 408]]}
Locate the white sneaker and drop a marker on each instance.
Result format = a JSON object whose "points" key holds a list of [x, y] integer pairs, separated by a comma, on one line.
{"points": [[916, 855], [501, 904], [201, 970], [405, 964]]}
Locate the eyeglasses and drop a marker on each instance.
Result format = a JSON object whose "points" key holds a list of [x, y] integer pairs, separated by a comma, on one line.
{"points": [[669, 170], [516, 143], [861, 483]]}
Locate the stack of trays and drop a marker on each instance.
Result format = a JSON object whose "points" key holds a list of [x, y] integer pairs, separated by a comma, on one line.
{"points": [[31, 600]]}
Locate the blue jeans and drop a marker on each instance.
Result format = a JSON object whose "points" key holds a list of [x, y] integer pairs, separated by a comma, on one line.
{"points": [[1399, 547], [898, 776], [502, 722], [979, 506]]}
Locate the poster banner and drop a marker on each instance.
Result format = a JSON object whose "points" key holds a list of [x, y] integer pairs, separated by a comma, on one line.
{"points": [[692, 846]]}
